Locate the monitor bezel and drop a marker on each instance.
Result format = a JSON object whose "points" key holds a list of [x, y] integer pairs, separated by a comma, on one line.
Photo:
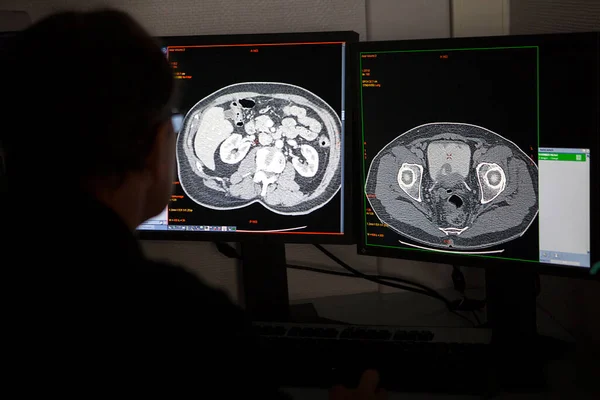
{"points": [[473, 261], [349, 236]]}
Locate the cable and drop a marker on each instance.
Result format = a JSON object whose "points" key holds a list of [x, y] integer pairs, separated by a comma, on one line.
{"points": [[320, 271], [465, 303], [458, 280], [373, 277], [427, 291], [538, 286], [398, 283], [553, 318], [378, 280], [228, 251]]}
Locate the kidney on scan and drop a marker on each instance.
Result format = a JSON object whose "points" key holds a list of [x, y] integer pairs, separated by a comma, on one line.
{"points": [[308, 165], [234, 149]]}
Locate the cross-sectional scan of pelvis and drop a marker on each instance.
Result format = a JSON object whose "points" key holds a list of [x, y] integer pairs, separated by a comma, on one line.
{"points": [[454, 186], [270, 143]]}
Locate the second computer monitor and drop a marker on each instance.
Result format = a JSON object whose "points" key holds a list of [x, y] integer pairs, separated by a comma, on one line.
{"points": [[263, 137], [479, 151]]}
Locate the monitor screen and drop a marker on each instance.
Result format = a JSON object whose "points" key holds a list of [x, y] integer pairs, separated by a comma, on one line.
{"points": [[262, 138], [480, 150]]}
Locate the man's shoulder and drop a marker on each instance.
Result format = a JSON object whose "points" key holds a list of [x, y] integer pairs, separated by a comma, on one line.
{"points": [[175, 279], [161, 272], [173, 284]]}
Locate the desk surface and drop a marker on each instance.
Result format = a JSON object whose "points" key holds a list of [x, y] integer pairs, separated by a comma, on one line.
{"points": [[318, 394], [405, 309], [409, 309]]}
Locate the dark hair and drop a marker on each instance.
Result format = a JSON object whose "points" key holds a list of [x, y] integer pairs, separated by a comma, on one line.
{"points": [[85, 93]]}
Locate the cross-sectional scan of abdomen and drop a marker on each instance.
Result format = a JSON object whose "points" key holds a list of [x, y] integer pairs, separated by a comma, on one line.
{"points": [[454, 186], [261, 142]]}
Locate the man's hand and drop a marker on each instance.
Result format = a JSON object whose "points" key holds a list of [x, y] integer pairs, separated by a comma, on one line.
{"points": [[366, 390]]}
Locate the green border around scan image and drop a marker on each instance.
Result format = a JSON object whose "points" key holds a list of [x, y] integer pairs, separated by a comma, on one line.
{"points": [[364, 175]]}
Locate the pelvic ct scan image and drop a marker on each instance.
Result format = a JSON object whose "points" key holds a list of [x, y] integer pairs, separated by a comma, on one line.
{"points": [[454, 186], [270, 143]]}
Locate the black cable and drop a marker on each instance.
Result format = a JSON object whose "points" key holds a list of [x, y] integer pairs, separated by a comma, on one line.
{"points": [[228, 251], [320, 271], [554, 319], [380, 279], [465, 303], [403, 284], [428, 291], [458, 280], [350, 275], [476, 317]]}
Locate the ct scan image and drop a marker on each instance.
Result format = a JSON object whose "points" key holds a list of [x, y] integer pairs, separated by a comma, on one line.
{"points": [[271, 143], [454, 186]]}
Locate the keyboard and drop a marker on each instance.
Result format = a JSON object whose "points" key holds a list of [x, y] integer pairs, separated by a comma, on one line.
{"points": [[448, 360]]}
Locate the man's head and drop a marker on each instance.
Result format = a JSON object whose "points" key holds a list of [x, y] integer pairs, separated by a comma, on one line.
{"points": [[88, 106]]}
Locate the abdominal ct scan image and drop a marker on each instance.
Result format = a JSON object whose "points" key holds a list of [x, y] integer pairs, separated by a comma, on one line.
{"points": [[454, 186], [267, 143]]}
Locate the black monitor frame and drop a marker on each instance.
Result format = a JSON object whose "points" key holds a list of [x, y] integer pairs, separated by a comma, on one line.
{"points": [[5, 36], [474, 261], [349, 236]]}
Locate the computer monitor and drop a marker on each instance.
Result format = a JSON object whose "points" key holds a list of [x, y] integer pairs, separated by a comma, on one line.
{"points": [[264, 132], [4, 39], [480, 151]]}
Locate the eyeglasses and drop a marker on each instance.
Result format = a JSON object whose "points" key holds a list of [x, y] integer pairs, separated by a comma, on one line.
{"points": [[177, 121]]}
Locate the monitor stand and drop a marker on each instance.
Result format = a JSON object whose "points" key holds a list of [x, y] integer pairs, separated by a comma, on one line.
{"points": [[264, 288], [511, 294], [264, 285], [511, 314]]}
